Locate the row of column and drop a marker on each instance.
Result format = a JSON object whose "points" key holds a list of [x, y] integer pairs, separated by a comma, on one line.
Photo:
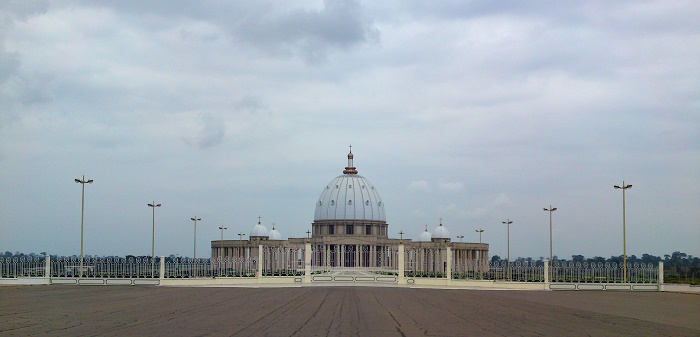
{"points": [[328, 255]]}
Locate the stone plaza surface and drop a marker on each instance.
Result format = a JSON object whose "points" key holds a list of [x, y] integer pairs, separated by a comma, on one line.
{"points": [[340, 311]]}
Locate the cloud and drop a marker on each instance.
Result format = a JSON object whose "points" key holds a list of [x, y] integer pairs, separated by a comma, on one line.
{"points": [[450, 186], [212, 131], [312, 34], [419, 186]]}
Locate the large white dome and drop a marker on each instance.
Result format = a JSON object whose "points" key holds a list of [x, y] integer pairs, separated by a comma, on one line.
{"points": [[349, 196]]}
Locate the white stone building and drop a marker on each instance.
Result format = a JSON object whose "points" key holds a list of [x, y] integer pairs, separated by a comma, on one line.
{"points": [[350, 231]]}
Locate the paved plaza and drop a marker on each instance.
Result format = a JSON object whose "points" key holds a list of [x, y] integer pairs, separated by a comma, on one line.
{"points": [[340, 311]]}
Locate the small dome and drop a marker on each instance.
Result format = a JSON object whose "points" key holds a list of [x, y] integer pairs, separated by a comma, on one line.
{"points": [[258, 230], [274, 234], [425, 236], [440, 232]]}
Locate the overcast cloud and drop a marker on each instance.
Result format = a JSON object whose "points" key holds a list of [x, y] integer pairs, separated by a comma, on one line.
{"points": [[474, 112]]}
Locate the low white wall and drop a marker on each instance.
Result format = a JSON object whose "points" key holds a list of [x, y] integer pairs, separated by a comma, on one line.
{"points": [[298, 281], [24, 281], [419, 282], [680, 288], [231, 281]]}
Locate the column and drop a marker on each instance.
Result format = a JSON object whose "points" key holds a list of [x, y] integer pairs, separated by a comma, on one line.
{"points": [[162, 268], [448, 269], [47, 269], [307, 263], [342, 255], [401, 264], [260, 263]]}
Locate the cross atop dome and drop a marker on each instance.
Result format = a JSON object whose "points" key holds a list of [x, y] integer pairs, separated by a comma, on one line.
{"points": [[350, 169]]}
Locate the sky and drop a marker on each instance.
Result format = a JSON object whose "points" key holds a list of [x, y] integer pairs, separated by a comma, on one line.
{"points": [[473, 112]]}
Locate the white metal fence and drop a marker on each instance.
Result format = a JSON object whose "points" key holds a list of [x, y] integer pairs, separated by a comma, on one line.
{"points": [[289, 261]]}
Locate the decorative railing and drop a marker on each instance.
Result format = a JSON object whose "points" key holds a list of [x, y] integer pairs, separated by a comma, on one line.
{"points": [[226, 267], [106, 267], [376, 259], [23, 266], [283, 261], [603, 272], [289, 261], [425, 262]]}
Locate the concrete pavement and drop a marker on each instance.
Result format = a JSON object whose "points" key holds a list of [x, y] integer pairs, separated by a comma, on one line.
{"points": [[340, 311]]}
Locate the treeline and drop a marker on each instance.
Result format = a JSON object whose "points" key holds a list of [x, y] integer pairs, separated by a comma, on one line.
{"points": [[41, 256], [679, 267], [674, 259]]}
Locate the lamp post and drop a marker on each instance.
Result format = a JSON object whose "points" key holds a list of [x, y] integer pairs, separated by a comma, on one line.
{"points": [[222, 228], [551, 256], [479, 251], [82, 219], [460, 237], [153, 236], [479, 231], [508, 222], [195, 219], [624, 234], [240, 238]]}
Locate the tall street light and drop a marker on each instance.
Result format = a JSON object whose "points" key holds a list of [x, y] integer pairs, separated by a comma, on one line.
{"points": [[195, 219], [479, 251], [508, 222], [624, 234], [479, 231], [550, 210], [222, 228], [460, 237], [153, 236], [82, 219], [551, 256]]}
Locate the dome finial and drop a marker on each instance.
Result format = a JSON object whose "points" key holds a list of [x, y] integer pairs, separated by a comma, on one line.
{"points": [[350, 169]]}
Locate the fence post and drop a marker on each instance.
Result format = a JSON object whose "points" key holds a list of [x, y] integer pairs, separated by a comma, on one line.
{"points": [[162, 269], [546, 275], [661, 275], [307, 262], [47, 269], [260, 263], [401, 263], [448, 268]]}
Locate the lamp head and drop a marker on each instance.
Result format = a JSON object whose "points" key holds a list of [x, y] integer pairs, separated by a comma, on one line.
{"points": [[78, 181], [89, 181]]}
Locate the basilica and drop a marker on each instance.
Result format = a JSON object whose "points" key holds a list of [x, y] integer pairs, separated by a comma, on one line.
{"points": [[350, 231]]}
